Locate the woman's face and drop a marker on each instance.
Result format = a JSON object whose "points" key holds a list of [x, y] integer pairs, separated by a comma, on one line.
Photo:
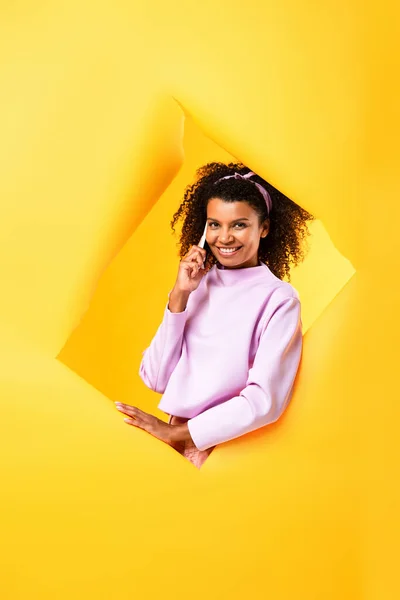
{"points": [[234, 225]]}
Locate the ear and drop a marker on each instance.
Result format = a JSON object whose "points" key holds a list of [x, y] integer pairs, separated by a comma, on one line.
{"points": [[265, 228]]}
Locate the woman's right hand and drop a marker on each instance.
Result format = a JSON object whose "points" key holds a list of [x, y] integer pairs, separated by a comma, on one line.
{"points": [[191, 270]]}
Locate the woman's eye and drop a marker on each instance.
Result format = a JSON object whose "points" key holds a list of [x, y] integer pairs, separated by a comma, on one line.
{"points": [[241, 225]]}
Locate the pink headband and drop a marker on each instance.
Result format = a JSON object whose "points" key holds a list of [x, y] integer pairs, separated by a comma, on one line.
{"points": [[262, 189]]}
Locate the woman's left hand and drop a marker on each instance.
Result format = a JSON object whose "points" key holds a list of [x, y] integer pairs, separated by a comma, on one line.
{"points": [[161, 430]]}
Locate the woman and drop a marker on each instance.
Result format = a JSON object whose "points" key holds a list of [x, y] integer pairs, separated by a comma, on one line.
{"points": [[228, 349]]}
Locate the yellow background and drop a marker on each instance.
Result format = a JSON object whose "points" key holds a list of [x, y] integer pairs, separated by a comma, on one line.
{"points": [[92, 122]]}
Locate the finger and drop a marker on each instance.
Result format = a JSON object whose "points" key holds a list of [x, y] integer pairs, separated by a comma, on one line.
{"points": [[200, 254], [193, 258], [125, 408], [195, 248], [130, 410], [191, 268], [124, 405], [199, 249], [196, 254], [132, 421], [137, 423], [126, 411], [197, 259], [137, 420], [195, 270]]}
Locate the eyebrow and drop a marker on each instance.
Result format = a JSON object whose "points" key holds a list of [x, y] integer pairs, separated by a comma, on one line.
{"points": [[241, 219]]}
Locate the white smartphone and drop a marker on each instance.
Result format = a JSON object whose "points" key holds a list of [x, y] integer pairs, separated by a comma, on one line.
{"points": [[203, 237], [203, 240]]}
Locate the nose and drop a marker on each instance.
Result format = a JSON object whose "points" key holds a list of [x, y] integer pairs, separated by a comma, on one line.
{"points": [[225, 238]]}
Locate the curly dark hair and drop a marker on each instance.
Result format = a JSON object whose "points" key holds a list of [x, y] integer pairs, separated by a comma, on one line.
{"points": [[281, 248]]}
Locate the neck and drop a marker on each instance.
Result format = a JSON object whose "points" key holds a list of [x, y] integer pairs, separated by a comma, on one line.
{"points": [[220, 266]]}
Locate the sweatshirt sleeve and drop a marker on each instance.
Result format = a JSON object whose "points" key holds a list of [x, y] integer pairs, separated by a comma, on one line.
{"points": [[269, 383], [161, 357]]}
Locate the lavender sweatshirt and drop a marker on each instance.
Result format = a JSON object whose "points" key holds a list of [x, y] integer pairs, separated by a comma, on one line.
{"points": [[229, 360]]}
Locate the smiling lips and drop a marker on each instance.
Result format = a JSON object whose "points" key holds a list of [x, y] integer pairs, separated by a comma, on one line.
{"points": [[228, 251]]}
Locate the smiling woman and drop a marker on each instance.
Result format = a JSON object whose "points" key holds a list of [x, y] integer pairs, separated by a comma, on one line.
{"points": [[235, 238], [227, 352], [276, 226]]}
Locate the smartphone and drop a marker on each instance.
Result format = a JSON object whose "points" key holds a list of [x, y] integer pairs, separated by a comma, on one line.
{"points": [[203, 240], [203, 237]]}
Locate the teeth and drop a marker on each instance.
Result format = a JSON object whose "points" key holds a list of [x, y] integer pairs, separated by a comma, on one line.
{"points": [[227, 251]]}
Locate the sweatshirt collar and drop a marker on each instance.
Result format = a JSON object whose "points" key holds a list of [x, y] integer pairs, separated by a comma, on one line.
{"points": [[229, 276]]}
